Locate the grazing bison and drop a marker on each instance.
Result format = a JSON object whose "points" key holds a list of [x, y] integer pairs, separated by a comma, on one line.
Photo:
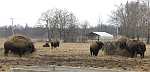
{"points": [[121, 43], [46, 44], [55, 44], [18, 45], [136, 47], [95, 47]]}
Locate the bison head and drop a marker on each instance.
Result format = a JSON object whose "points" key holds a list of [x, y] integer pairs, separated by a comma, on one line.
{"points": [[100, 44]]}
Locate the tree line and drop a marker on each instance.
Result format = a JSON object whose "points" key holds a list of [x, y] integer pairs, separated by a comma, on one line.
{"points": [[76, 34], [132, 19]]}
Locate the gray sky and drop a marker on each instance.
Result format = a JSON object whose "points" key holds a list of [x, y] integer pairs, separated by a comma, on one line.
{"points": [[28, 11]]}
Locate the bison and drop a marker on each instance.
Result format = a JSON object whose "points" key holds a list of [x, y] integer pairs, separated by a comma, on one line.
{"points": [[136, 47], [18, 45], [95, 47], [121, 43], [46, 44], [55, 44]]}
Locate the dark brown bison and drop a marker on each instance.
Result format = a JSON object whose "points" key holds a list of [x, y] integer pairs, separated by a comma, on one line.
{"points": [[121, 43], [18, 45], [136, 47], [46, 44], [55, 44], [95, 47]]}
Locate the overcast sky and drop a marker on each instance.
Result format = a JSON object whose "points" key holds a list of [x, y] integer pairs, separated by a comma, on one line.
{"points": [[28, 11]]}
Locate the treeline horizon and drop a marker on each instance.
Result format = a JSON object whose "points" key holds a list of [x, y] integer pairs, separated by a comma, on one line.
{"points": [[79, 34]]}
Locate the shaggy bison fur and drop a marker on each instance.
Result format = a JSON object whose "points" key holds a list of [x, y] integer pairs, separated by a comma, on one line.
{"points": [[95, 47], [122, 43], [125, 47], [136, 47], [55, 44], [18, 47]]}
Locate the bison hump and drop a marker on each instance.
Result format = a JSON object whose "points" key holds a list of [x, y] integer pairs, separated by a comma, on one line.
{"points": [[93, 45], [19, 41]]}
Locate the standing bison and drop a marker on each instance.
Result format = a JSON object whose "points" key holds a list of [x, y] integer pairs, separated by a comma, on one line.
{"points": [[95, 47], [136, 47], [55, 44], [18, 45]]}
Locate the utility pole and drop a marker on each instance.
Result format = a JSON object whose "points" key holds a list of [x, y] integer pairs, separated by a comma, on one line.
{"points": [[48, 34], [117, 26], [148, 36], [116, 29], [137, 28], [100, 23], [12, 21]]}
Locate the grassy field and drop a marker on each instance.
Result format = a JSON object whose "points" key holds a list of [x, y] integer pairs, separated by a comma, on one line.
{"points": [[72, 54]]}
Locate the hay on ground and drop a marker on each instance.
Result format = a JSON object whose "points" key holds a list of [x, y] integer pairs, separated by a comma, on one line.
{"points": [[112, 48]]}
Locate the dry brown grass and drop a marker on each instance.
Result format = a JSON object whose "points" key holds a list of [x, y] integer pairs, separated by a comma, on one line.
{"points": [[72, 54]]}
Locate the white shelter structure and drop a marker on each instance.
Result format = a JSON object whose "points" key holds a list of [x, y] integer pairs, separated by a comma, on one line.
{"points": [[101, 36]]}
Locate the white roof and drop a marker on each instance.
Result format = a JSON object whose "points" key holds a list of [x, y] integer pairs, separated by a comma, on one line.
{"points": [[103, 34]]}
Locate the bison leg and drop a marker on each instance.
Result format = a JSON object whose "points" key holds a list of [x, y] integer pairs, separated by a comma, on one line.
{"points": [[91, 51], [142, 55], [6, 52], [96, 53], [20, 52], [132, 54], [52, 47], [135, 54]]}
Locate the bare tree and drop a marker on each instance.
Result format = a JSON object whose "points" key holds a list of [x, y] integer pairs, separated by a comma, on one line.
{"points": [[58, 20], [84, 32], [46, 20], [130, 18]]}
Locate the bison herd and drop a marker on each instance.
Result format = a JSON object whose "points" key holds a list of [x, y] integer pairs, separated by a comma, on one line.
{"points": [[133, 47], [21, 45], [54, 44]]}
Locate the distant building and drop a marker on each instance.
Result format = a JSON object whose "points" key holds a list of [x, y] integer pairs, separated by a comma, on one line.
{"points": [[100, 36]]}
